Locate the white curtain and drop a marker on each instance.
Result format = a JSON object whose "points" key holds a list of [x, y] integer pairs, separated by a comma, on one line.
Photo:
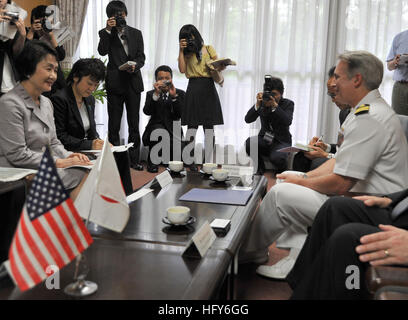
{"points": [[296, 40], [73, 13]]}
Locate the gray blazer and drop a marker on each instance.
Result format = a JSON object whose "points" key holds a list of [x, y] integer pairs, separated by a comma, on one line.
{"points": [[25, 130]]}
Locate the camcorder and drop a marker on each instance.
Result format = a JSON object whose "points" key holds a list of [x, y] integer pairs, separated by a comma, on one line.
{"points": [[14, 16], [267, 89], [120, 21]]}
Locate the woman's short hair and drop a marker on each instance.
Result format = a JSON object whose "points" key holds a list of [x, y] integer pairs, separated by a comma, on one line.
{"points": [[164, 69], [33, 53], [92, 67], [115, 7]]}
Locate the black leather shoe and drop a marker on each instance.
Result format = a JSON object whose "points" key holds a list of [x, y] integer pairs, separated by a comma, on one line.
{"points": [[193, 167], [153, 168], [137, 166]]}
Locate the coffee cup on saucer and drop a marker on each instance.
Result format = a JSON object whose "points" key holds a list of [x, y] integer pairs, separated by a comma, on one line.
{"points": [[220, 174], [178, 214], [209, 167], [176, 166]]}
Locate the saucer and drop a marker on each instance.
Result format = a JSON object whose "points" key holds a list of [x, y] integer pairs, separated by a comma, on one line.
{"points": [[191, 220], [216, 181], [176, 174]]}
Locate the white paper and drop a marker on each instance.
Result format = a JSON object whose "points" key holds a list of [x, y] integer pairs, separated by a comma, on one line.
{"points": [[237, 171], [114, 149], [164, 179], [137, 195], [204, 238], [14, 174], [82, 166]]}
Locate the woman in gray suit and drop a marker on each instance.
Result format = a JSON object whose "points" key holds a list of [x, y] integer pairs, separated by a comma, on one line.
{"points": [[27, 120]]}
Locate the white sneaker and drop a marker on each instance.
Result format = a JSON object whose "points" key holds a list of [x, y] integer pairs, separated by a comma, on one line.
{"points": [[279, 270]]}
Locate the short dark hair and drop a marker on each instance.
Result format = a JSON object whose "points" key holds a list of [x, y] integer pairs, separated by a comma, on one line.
{"points": [[92, 67], [163, 68], [331, 72], [33, 53], [115, 7], [38, 13], [277, 84]]}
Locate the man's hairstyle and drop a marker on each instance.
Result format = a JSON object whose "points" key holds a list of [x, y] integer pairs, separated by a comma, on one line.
{"points": [[38, 13], [163, 68], [33, 52], [331, 72], [87, 67], [368, 65], [115, 7], [277, 84]]}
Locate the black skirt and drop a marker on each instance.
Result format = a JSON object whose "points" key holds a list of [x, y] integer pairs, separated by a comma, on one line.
{"points": [[202, 104]]}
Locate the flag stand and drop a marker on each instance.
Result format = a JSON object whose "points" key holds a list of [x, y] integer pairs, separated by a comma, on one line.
{"points": [[82, 287]]}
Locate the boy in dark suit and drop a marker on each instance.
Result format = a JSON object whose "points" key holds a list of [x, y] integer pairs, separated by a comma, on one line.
{"points": [[164, 105], [122, 44]]}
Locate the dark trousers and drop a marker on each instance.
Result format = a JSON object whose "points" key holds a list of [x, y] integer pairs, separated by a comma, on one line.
{"points": [[303, 164], [115, 110], [209, 141], [320, 269], [279, 159]]}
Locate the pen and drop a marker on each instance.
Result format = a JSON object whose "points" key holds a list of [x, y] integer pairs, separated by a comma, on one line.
{"points": [[320, 139]]}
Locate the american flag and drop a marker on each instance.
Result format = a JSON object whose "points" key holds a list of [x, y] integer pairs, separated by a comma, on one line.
{"points": [[50, 230]]}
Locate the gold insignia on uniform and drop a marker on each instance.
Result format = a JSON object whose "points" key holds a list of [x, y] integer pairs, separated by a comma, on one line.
{"points": [[364, 108]]}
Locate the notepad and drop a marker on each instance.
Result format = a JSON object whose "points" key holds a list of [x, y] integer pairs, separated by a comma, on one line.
{"points": [[231, 197]]}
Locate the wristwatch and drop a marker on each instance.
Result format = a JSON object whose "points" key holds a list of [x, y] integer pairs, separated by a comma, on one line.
{"points": [[330, 156]]}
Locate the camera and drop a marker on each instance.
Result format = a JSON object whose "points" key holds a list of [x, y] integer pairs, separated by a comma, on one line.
{"points": [[167, 83], [267, 89], [120, 21], [13, 15], [191, 46], [44, 25]]}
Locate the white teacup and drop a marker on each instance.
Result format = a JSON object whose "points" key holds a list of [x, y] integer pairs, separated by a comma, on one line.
{"points": [[178, 215], [220, 174], [176, 166], [209, 167]]}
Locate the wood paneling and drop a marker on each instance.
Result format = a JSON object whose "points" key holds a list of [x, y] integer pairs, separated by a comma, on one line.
{"points": [[28, 5]]}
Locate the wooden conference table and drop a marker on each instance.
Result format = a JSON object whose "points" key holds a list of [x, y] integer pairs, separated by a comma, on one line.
{"points": [[145, 261]]}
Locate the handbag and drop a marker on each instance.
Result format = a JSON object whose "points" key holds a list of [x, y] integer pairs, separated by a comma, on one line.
{"points": [[215, 74]]}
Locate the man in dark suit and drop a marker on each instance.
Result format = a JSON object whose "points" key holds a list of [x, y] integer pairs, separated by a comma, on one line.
{"points": [[164, 104], [350, 232], [307, 161], [123, 43], [276, 115]]}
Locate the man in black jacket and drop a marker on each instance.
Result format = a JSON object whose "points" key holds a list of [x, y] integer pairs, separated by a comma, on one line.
{"points": [[123, 43], [307, 161], [350, 233], [164, 104], [276, 115]]}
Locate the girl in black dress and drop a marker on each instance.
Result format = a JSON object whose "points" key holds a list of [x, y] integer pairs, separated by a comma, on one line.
{"points": [[202, 104]]}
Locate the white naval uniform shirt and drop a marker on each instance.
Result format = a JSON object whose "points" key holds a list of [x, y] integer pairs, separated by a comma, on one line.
{"points": [[375, 149]]}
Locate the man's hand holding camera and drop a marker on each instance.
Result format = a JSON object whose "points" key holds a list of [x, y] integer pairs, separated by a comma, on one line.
{"points": [[164, 86], [264, 101], [39, 27], [110, 23], [13, 18]]}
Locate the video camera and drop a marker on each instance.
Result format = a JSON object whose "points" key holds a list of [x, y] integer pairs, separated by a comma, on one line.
{"points": [[13, 15], [267, 89]]}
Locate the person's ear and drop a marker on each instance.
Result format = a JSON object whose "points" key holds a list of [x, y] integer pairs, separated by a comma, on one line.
{"points": [[358, 80]]}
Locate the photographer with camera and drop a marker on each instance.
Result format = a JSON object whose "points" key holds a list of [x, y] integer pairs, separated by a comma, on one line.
{"points": [[10, 49], [202, 107], [164, 105], [276, 115], [123, 44], [41, 29]]}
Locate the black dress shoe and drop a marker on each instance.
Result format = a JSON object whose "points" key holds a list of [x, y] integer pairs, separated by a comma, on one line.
{"points": [[193, 167], [137, 166], [153, 168]]}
